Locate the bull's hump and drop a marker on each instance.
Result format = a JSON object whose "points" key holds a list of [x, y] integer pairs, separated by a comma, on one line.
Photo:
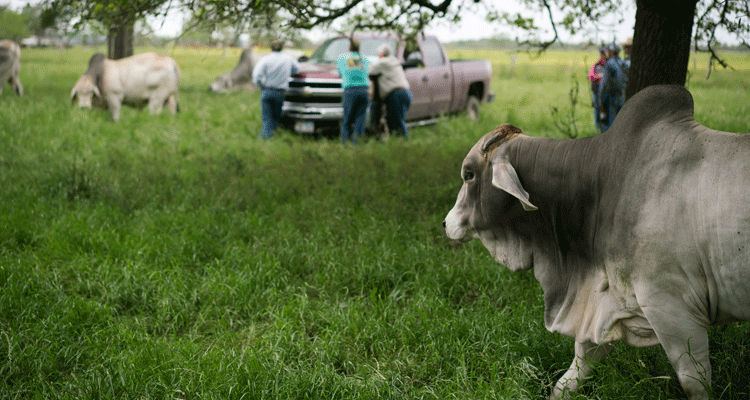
{"points": [[498, 136], [658, 103]]}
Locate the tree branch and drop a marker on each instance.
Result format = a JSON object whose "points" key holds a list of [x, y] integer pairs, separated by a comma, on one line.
{"points": [[543, 46]]}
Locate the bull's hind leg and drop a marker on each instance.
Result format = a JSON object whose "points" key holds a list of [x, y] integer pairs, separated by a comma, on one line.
{"points": [[587, 356], [15, 82], [17, 87], [172, 104]]}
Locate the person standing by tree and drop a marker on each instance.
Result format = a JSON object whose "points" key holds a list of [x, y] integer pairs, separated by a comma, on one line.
{"points": [[595, 76], [612, 86], [271, 75], [394, 91], [353, 68], [627, 48]]}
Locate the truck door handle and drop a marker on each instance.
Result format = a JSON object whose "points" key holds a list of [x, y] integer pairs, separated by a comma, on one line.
{"points": [[424, 79], [445, 76]]}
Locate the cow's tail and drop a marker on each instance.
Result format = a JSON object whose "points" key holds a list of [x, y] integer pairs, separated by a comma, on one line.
{"points": [[177, 72], [174, 96]]}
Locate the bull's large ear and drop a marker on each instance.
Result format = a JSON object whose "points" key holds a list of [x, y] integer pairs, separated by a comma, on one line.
{"points": [[504, 177]]}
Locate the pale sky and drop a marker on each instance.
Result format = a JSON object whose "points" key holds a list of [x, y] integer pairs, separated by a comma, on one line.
{"points": [[472, 26]]}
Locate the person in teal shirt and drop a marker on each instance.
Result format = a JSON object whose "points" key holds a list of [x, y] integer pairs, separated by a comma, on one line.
{"points": [[353, 68]]}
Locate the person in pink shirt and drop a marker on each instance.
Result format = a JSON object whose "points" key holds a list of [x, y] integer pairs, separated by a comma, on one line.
{"points": [[595, 76]]}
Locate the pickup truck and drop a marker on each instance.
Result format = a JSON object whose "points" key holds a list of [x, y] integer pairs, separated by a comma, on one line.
{"points": [[439, 86]]}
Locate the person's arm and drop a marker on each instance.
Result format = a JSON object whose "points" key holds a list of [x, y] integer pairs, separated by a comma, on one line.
{"points": [[340, 65], [605, 78], [295, 68], [376, 68], [593, 76], [259, 73]]}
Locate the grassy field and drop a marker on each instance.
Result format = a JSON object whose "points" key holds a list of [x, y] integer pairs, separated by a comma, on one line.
{"points": [[180, 257]]}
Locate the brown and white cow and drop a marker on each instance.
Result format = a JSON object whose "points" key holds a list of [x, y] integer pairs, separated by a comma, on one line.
{"points": [[640, 234], [135, 80], [10, 66]]}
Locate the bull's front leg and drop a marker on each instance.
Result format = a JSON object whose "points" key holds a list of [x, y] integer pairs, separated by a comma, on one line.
{"points": [[114, 103], [689, 358], [683, 334], [587, 356], [156, 103]]}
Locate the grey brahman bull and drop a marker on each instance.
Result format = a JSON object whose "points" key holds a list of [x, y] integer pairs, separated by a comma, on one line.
{"points": [[10, 66], [135, 80], [637, 235]]}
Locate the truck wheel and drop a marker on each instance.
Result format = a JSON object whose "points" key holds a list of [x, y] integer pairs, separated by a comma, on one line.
{"points": [[472, 108]]}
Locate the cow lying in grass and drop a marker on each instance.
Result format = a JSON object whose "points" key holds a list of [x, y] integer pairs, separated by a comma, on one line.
{"points": [[241, 77]]}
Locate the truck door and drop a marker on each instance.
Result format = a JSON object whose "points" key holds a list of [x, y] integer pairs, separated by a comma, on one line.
{"points": [[420, 89], [438, 73]]}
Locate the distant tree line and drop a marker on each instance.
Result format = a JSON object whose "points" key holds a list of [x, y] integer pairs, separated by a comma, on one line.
{"points": [[664, 31], [504, 42]]}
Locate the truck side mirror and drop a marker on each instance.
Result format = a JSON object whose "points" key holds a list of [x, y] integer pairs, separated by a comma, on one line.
{"points": [[303, 58]]}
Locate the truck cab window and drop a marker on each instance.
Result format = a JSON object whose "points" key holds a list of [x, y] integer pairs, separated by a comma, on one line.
{"points": [[369, 47], [433, 53], [330, 51]]}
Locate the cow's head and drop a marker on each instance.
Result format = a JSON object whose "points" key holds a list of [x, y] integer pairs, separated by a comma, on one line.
{"points": [[85, 90], [491, 191]]}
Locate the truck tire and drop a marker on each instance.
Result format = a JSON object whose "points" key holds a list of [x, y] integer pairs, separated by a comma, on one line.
{"points": [[472, 107]]}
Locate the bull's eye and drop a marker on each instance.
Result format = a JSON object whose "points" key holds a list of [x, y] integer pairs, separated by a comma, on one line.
{"points": [[468, 175]]}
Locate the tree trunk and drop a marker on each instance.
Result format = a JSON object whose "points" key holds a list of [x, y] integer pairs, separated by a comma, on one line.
{"points": [[661, 43], [120, 41]]}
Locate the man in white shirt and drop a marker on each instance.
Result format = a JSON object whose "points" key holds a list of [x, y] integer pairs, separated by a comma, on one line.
{"points": [[271, 75]]}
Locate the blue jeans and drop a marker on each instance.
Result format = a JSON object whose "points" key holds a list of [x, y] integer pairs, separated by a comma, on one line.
{"points": [[271, 101], [396, 105], [595, 103], [612, 104], [355, 100]]}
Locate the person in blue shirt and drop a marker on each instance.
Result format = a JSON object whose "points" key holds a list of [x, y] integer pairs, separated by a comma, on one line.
{"points": [[271, 75], [353, 68], [612, 87], [595, 76]]}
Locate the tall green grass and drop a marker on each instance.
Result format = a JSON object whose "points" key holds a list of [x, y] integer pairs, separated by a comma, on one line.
{"points": [[182, 257]]}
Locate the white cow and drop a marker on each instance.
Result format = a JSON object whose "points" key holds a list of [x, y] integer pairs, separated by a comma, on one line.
{"points": [[638, 235], [135, 80], [10, 66]]}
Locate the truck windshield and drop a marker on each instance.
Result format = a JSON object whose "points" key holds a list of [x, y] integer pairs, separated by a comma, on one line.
{"points": [[330, 50]]}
